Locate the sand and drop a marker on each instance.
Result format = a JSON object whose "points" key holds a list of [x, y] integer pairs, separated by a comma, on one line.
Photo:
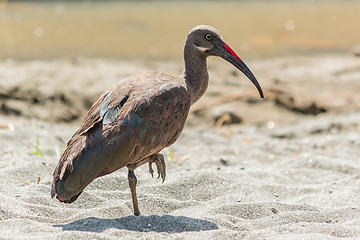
{"points": [[286, 167]]}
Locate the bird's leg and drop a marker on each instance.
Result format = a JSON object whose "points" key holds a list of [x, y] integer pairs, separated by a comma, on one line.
{"points": [[158, 159], [138, 164], [132, 184]]}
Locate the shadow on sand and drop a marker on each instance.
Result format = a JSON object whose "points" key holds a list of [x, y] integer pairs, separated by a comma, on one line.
{"points": [[170, 224]]}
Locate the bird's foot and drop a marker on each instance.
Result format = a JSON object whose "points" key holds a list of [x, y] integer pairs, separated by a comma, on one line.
{"points": [[158, 159]]}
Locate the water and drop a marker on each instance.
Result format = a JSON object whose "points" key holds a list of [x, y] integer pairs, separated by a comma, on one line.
{"points": [[157, 30]]}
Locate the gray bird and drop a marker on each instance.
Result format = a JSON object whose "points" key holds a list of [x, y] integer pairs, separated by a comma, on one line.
{"points": [[131, 122]]}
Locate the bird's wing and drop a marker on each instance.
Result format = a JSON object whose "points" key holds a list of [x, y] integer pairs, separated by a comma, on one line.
{"points": [[104, 111], [132, 120]]}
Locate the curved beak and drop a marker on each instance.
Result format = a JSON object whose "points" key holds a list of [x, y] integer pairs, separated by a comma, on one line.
{"points": [[223, 50]]}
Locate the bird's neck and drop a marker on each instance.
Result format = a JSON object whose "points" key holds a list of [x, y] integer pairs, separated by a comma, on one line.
{"points": [[195, 73]]}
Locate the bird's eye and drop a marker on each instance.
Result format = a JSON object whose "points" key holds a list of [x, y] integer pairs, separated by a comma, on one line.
{"points": [[208, 37]]}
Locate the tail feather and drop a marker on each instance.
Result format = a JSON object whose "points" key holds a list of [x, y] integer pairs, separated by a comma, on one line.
{"points": [[53, 187], [68, 184], [77, 168], [87, 157]]}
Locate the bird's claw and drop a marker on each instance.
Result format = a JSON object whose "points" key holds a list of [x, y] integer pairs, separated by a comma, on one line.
{"points": [[151, 171], [160, 165]]}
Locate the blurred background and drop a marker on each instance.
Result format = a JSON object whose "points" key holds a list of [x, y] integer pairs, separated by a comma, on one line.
{"points": [[56, 57], [157, 29]]}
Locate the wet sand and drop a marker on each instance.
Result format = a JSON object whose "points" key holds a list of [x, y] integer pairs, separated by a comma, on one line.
{"points": [[285, 167]]}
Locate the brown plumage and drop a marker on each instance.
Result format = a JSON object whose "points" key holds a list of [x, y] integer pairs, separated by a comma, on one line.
{"points": [[130, 123]]}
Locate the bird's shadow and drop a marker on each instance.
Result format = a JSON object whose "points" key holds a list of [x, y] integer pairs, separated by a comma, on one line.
{"points": [[166, 223]]}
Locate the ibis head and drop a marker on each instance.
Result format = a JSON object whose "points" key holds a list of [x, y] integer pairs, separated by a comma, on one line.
{"points": [[208, 42]]}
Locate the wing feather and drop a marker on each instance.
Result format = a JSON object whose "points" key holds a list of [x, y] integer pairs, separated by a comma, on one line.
{"points": [[132, 120], [99, 113]]}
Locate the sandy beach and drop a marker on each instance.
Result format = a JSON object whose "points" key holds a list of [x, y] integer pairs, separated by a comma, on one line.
{"points": [[286, 167]]}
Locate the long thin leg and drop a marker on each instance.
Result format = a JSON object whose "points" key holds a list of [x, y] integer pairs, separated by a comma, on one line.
{"points": [[158, 159], [132, 184]]}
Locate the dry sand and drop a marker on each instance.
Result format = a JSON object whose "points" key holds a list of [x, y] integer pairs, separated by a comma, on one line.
{"points": [[289, 168]]}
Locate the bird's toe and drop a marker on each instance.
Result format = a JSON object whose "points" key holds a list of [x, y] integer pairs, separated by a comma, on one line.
{"points": [[160, 166], [151, 171]]}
